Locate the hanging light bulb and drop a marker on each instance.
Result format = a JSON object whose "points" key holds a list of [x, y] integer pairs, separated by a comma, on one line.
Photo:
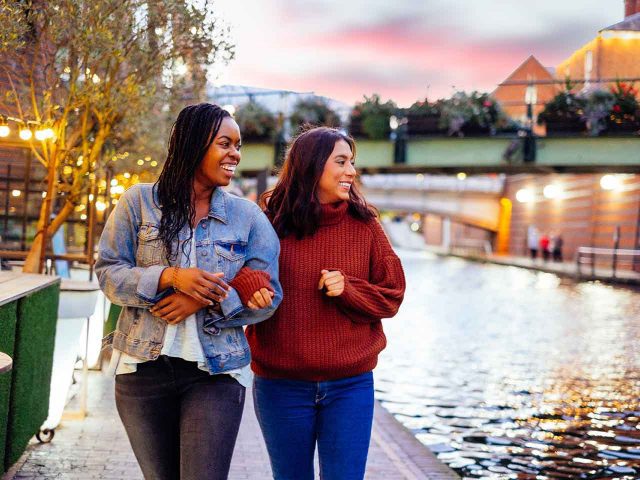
{"points": [[4, 128], [43, 134], [25, 133]]}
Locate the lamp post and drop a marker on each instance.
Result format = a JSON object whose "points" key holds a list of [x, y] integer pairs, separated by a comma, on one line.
{"points": [[399, 136], [529, 146]]}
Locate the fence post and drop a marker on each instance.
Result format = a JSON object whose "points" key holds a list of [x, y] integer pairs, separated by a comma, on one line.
{"points": [[616, 245]]}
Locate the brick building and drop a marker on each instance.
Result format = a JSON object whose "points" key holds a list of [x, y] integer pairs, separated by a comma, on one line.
{"points": [[513, 98], [585, 209], [613, 53]]}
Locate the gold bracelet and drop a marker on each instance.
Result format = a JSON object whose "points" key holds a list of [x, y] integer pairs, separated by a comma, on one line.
{"points": [[174, 279]]}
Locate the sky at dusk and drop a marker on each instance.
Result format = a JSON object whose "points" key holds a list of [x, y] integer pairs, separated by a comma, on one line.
{"points": [[402, 49]]}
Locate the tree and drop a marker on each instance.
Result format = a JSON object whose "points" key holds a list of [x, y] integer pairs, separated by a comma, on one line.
{"points": [[93, 72]]}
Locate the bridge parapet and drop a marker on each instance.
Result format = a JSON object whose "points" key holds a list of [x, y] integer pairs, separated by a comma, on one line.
{"points": [[481, 155]]}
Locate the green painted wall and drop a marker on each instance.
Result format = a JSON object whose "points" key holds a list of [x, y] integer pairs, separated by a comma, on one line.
{"points": [[453, 152], [442, 152], [256, 156], [374, 153], [588, 151]]}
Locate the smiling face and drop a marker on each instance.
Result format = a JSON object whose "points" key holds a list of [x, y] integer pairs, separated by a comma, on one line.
{"points": [[219, 163], [338, 174]]}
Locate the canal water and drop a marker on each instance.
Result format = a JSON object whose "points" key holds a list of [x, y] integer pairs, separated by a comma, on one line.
{"points": [[509, 373]]}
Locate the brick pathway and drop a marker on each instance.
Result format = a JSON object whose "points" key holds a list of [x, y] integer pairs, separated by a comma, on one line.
{"points": [[97, 448]]}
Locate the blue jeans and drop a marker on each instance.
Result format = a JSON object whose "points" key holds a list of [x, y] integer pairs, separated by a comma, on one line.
{"points": [[336, 414]]}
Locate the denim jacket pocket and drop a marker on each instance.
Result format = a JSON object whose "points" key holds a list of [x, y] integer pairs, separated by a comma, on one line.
{"points": [[150, 247], [231, 255]]}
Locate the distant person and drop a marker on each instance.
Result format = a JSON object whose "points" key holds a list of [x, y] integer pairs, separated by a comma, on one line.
{"points": [[544, 246], [532, 241], [313, 362], [557, 244]]}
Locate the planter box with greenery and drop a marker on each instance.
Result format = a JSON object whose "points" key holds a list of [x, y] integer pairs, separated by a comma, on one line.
{"points": [[474, 114], [423, 118], [624, 117], [313, 111], [257, 124], [370, 118], [564, 114]]}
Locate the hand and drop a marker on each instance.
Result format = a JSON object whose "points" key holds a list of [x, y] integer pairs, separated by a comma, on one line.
{"points": [[176, 307], [262, 298], [332, 281], [203, 286]]}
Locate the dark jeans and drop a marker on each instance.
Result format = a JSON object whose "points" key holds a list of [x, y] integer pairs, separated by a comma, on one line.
{"points": [[336, 414], [182, 422]]}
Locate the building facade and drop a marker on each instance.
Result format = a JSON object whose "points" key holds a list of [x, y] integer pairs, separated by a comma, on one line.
{"points": [[514, 94], [613, 54]]}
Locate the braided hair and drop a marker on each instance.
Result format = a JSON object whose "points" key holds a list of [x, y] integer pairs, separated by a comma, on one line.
{"points": [[191, 136]]}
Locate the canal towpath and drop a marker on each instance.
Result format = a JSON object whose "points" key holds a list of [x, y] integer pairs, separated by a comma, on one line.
{"points": [[97, 448], [562, 269]]}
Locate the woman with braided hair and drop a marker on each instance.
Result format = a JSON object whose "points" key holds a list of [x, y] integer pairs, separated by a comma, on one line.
{"points": [[190, 264]]}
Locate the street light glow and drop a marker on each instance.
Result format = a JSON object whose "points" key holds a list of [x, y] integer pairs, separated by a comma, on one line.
{"points": [[4, 130], [552, 191], [610, 182], [524, 195]]}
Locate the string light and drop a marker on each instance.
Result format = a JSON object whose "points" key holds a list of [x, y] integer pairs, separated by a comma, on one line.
{"points": [[25, 133], [26, 129], [4, 127], [44, 134]]}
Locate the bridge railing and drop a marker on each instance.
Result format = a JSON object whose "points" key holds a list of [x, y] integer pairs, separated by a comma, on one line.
{"points": [[471, 245], [616, 257]]}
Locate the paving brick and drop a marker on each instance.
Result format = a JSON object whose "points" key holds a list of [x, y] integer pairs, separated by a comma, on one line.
{"points": [[97, 448]]}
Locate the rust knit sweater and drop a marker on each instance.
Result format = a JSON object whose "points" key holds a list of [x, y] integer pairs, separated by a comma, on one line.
{"points": [[315, 337]]}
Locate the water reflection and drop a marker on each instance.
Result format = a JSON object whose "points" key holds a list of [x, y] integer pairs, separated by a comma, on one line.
{"points": [[507, 373]]}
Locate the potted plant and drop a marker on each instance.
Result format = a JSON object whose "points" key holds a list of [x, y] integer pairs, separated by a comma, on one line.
{"points": [[564, 113], [313, 111], [470, 114], [256, 123], [625, 112], [597, 108], [423, 118], [370, 118]]}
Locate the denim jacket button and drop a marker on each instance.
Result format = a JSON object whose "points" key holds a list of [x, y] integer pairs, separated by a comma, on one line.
{"points": [[203, 253], [203, 224]]}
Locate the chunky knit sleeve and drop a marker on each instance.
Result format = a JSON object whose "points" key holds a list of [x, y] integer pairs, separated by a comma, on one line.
{"points": [[249, 281], [380, 296]]}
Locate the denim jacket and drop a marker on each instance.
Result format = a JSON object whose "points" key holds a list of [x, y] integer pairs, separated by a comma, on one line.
{"points": [[131, 258]]}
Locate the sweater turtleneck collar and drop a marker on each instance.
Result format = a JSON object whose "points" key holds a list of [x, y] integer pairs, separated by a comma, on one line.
{"points": [[332, 213]]}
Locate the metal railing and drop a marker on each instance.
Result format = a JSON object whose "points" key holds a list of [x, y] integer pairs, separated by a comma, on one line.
{"points": [[471, 244], [617, 257]]}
